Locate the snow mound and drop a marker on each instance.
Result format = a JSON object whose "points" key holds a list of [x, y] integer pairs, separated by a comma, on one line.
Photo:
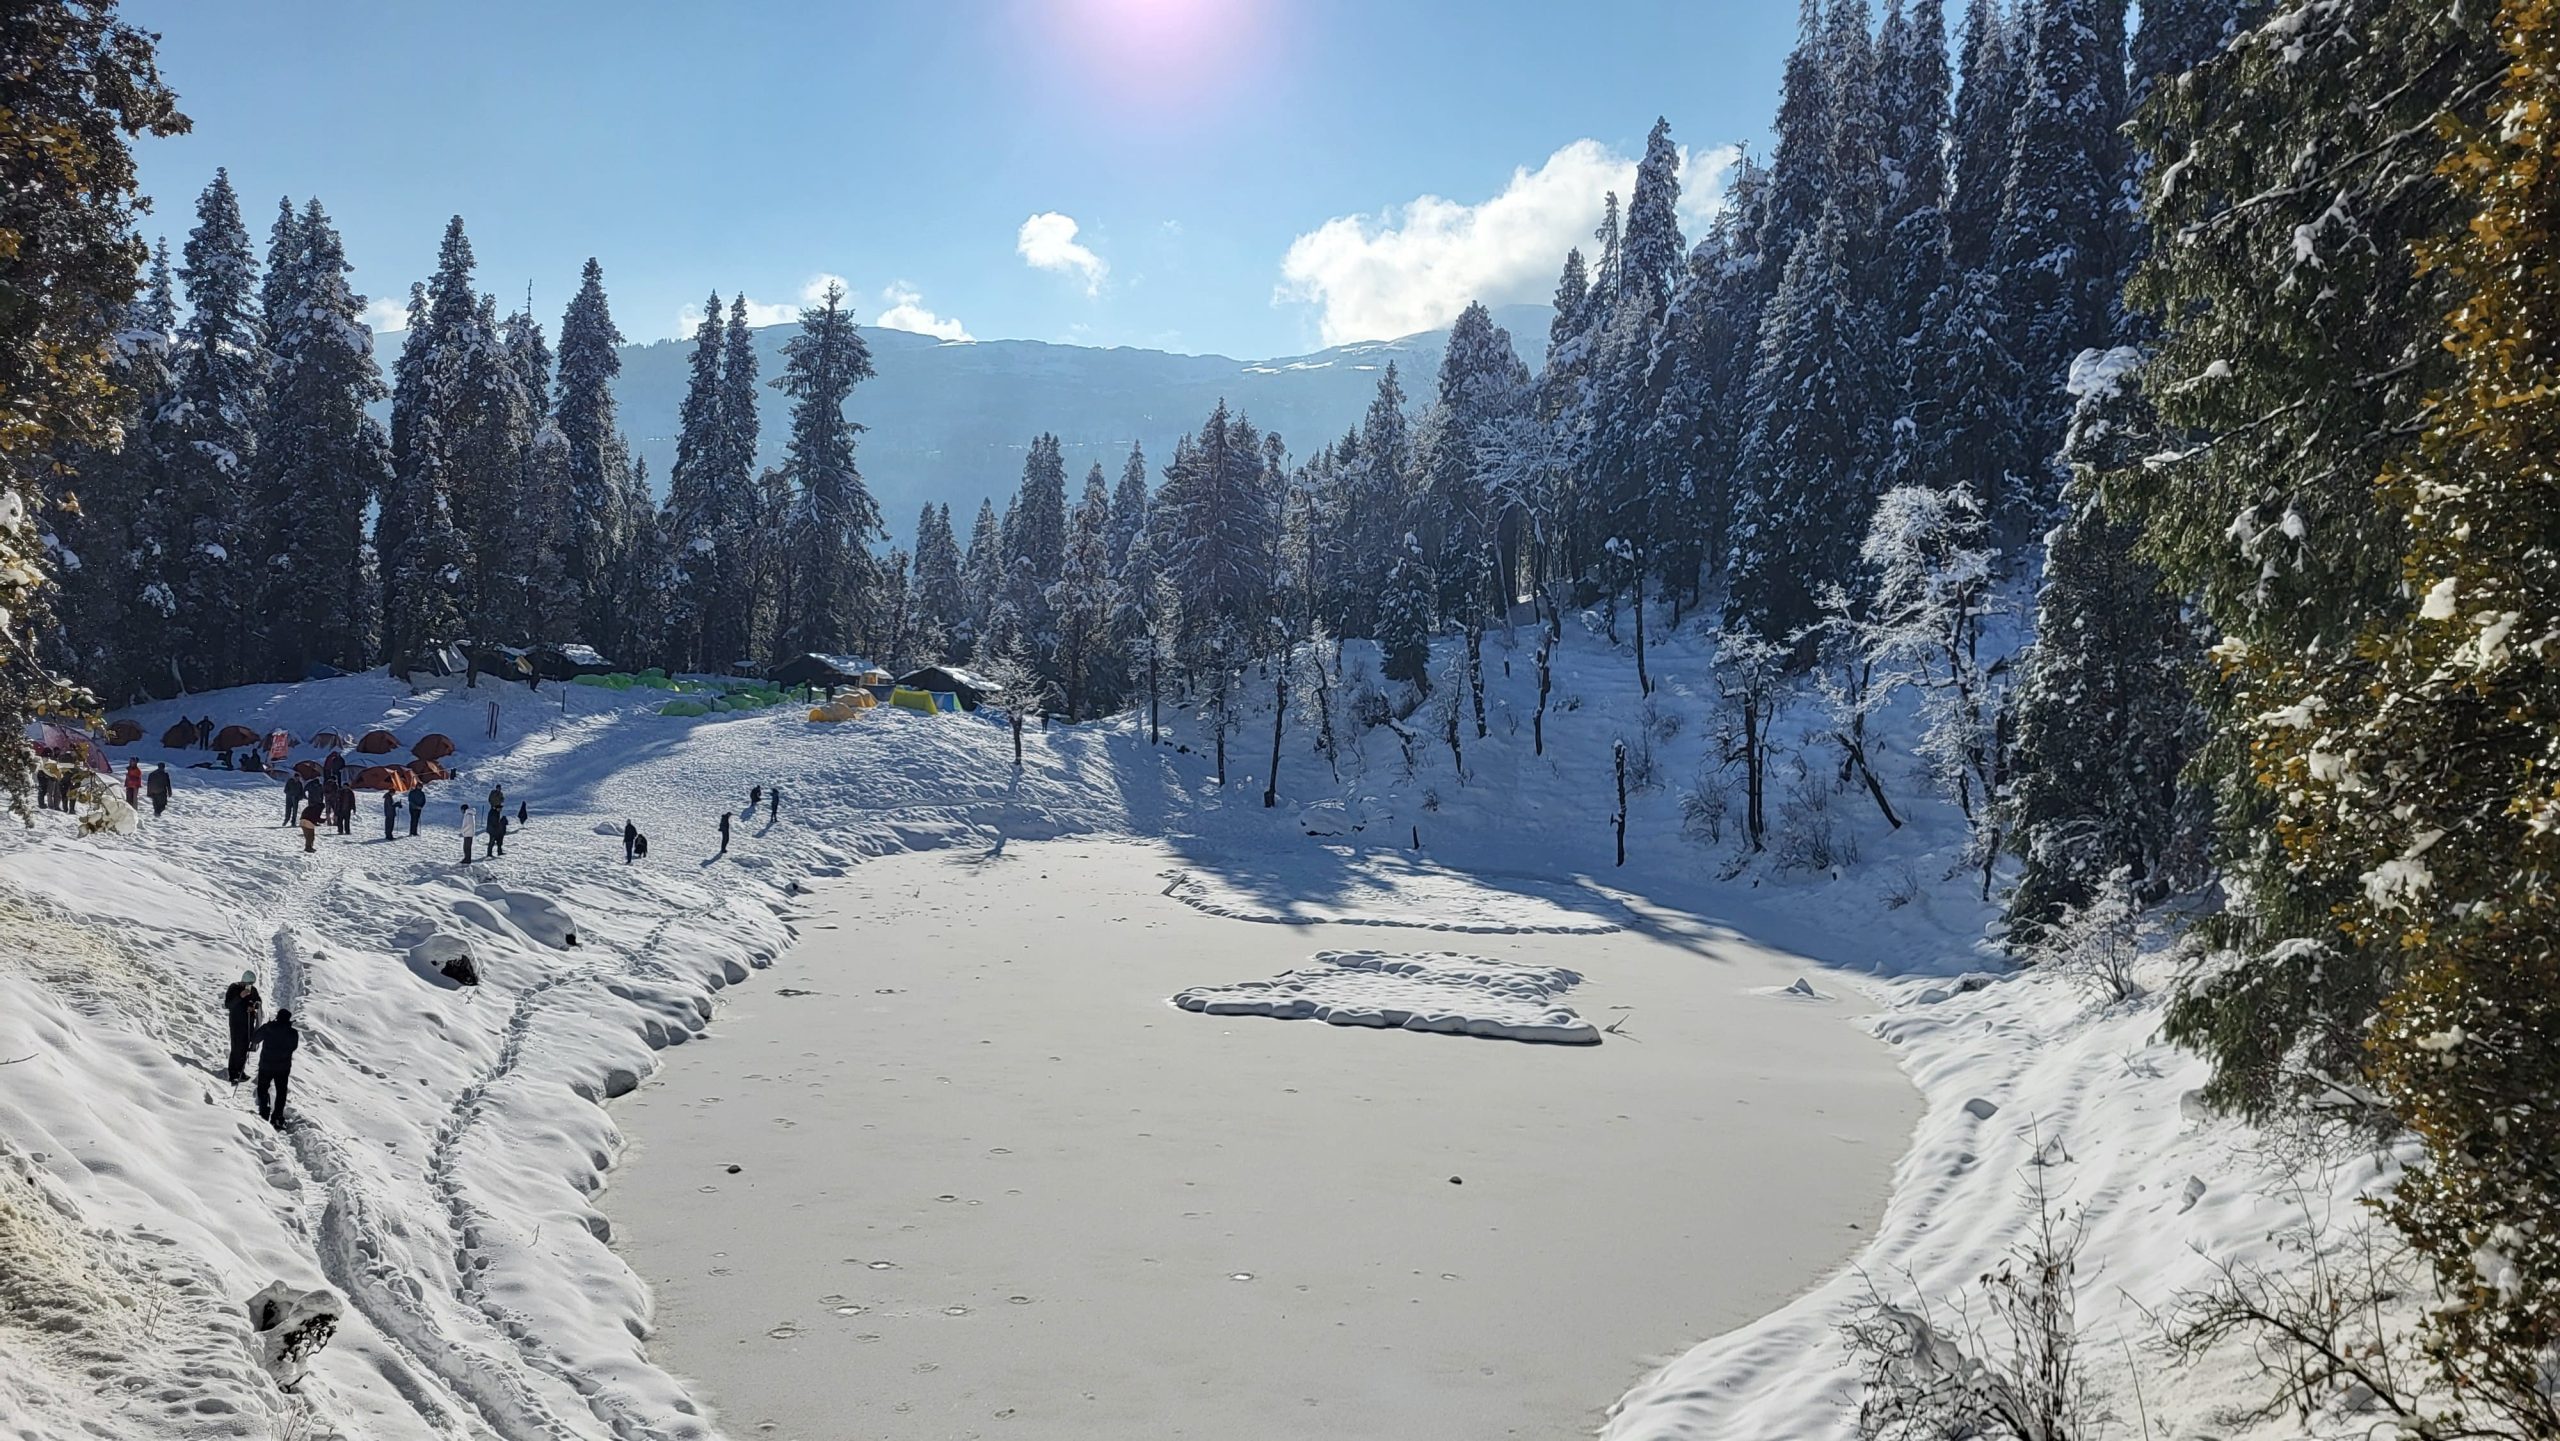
{"points": [[1447, 993], [1337, 885]]}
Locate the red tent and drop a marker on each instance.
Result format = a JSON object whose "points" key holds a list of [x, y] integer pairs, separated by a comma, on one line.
{"points": [[378, 743], [124, 732], [180, 735], [230, 736], [433, 748], [385, 778]]}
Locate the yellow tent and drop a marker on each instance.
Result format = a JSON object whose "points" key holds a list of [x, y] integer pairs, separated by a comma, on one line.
{"points": [[914, 700], [844, 707]]}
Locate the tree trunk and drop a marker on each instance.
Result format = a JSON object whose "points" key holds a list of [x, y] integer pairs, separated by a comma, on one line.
{"points": [[1279, 722], [1546, 680], [1475, 671], [1621, 817], [1754, 774], [1644, 683], [1155, 708], [1017, 737]]}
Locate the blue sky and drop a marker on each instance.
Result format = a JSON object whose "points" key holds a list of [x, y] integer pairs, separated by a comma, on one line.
{"points": [[1246, 177]]}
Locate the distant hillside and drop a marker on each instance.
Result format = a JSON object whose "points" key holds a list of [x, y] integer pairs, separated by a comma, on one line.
{"points": [[950, 422]]}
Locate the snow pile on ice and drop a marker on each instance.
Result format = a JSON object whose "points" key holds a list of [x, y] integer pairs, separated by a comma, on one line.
{"points": [[1446, 993], [1339, 885]]}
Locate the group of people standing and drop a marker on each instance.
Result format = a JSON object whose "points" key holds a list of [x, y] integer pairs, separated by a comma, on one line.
{"points": [[497, 827], [274, 1039], [327, 800]]}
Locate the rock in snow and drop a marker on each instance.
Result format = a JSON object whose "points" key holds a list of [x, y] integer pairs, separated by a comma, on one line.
{"points": [[291, 1326]]}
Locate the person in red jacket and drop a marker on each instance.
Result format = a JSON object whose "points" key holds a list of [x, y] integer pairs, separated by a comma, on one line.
{"points": [[133, 784]]}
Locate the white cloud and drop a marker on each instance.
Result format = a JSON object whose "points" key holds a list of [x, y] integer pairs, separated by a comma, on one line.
{"points": [[759, 315], [386, 314], [906, 311], [1047, 241], [815, 292], [1415, 267]]}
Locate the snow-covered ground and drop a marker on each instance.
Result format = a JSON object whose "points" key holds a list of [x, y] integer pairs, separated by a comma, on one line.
{"points": [[448, 1141], [1447, 993]]}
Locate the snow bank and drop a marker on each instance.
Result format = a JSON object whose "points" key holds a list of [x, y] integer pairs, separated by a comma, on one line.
{"points": [[1338, 885], [1447, 993]]}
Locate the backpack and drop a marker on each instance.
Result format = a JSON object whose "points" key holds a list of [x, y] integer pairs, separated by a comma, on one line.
{"points": [[639, 845]]}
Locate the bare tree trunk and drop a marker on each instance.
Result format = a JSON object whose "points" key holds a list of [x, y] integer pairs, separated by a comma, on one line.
{"points": [[1017, 737], [1475, 670], [1755, 774], [1155, 707], [1644, 683], [1546, 681], [1279, 723], [1621, 817]]}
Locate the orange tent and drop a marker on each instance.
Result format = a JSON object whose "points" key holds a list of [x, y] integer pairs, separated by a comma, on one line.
{"points": [[308, 770], [327, 740], [124, 732], [378, 743], [179, 735], [433, 748], [229, 736], [430, 771], [385, 778]]}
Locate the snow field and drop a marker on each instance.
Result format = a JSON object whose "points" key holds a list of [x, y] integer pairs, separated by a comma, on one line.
{"points": [[1449, 994]]}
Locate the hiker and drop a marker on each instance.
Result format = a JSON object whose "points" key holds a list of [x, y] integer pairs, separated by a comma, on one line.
{"points": [[417, 807], [293, 789], [204, 734], [312, 811], [755, 798], [630, 841], [240, 1001], [497, 830], [497, 799], [342, 809], [276, 1042], [156, 786], [774, 799], [390, 812], [133, 784], [724, 833], [470, 832]]}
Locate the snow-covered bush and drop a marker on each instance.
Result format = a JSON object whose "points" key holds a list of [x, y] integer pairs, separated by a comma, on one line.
{"points": [[2098, 944], [1703, 807], [1809, 834]]}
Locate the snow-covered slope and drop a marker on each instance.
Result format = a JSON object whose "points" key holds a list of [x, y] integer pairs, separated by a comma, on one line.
{"points": [[447, 1139]]}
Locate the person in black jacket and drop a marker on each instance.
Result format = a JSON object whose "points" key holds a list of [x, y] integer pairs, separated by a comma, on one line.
{"points": [[276, 1042], [497, 830], [156, 786], [630, 840], [390, 812], [417, 807], [293, 789], [724, 833], [241, 1002]]}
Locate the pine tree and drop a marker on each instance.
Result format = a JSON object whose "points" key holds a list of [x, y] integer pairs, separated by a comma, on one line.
{"points": [[1652, 253], [982, 574], [753, 507], [1978, 139], [489, 433], [1083, 600], [1128, 509], [941, 596], [1217, 517], [643, 576], [833, 519], [1035, 540], [1799, 166], [693, 522], [207, 444], [2177, 35], [323, 461], [2432, 770], [2106, 721], [104, 616], [1407, 615], [598, 457], [2299, 342], [415, 540], [1805, 480], [2063, 225]]}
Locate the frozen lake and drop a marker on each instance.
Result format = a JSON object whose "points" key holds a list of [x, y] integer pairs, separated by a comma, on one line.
{"points": [[990, 1183]]}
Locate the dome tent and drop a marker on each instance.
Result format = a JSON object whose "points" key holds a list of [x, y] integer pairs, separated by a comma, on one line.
{"points": [[433, 747], [231, 736], [378, 743]]}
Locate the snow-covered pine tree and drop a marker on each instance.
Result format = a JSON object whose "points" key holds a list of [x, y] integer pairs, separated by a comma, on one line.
{"points": [[1145, 624], [982, 576], [323, 460], [1652, 255], [642, 578], [2176, 35], [1805, 481], [1218, 519], [1978, 145], [1914, 89], [834, 519], [598, 459], [1408, 614], [1083, 600], [2064, 226], [1967, 425], [417, 546], [941, 597], [1481, 385], [106, 621], [1857, 164], [692, 521], [1800, 163], [1128, 508], [2432, 770], [489, 433], [2106, 716], [2299, 343], [1035, 542], [207, 443], [752, 554], [84, 81]]}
